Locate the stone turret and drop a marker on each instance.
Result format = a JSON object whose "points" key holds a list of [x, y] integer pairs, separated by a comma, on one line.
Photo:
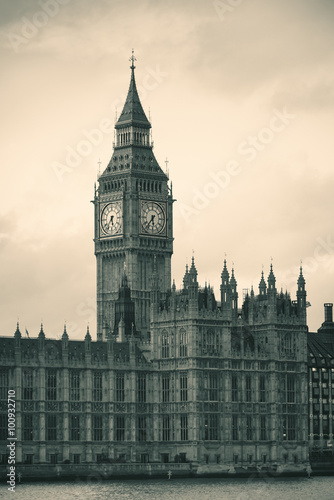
{"points": [[301, 296], [225, 290]]}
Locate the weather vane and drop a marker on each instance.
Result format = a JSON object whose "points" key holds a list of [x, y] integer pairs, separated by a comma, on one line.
{"points": [[133, 59]]}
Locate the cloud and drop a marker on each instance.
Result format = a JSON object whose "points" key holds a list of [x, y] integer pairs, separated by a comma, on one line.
{"points": [[224, 79]]}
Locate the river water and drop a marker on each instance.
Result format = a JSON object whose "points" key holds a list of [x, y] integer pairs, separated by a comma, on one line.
{"points": [[316, 488]]}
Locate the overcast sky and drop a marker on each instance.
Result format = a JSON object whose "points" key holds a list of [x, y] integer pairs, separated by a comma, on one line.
{"points": [[241, 98]]}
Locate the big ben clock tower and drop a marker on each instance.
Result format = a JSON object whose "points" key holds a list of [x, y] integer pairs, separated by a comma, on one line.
{"points": [[133, 219]]}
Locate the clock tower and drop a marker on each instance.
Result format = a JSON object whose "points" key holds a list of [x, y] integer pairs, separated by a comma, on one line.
{"points": [[133, 219]]}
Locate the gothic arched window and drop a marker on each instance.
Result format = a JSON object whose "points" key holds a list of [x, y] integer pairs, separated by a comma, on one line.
{"points": [[165, 344], [183, 343]]}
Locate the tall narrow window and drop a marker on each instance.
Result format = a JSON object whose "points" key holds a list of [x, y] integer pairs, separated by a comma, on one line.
{"points": [[97, 386], [235, 428], [97, 428], [290, 389], [74, 385], [51, 427], [249, 428], [4, 383], [263, 428], [51, 385], [165, 344], [213, 387], [234, 388], [291, 428], [75, 427], [141, 428], [166, 428], [184, 427], [211, 427], [120, 428], [262, 388], [165, 388], [183, 344], [141, 388], [27, 384], [27, 427], [248, 383], [120, 387], [183, 387], [3, 427]]}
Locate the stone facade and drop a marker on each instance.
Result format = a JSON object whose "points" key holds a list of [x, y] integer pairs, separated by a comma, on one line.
{"points": [[174, 375]]}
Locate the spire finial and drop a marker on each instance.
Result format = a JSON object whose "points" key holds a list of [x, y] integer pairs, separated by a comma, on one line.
{"points": [[132, 60], [166, 161]]}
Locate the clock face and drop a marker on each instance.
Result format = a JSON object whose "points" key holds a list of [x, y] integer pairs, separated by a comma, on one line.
{"points": [[111, 219], [153, 218]]}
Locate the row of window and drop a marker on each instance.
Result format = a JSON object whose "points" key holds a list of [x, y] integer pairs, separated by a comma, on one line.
{"points": [[166, 343], [210, 431], [117, 185], [53, 458], [75, 385], [132, 137], [239, 391]]}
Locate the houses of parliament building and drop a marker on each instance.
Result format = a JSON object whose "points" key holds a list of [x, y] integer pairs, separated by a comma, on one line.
{"points": [[174, 376]]}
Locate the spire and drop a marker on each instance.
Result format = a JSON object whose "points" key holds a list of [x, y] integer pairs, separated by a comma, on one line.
{"points": [[186, 278], [41, 332], [193, 270], [17, 333], [225, 274], [301, 279], [262, 285], [233, 282], [192, 283], [133, 112], [271, 279], [65, 334], [124, 307], [88, 337]]}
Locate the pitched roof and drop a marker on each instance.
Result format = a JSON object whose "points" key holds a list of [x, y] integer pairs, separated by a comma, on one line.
{"points": [[320, 349], [133, 112]]}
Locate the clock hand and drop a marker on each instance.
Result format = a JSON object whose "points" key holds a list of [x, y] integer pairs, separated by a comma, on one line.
{"points": [[149, 222]]}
